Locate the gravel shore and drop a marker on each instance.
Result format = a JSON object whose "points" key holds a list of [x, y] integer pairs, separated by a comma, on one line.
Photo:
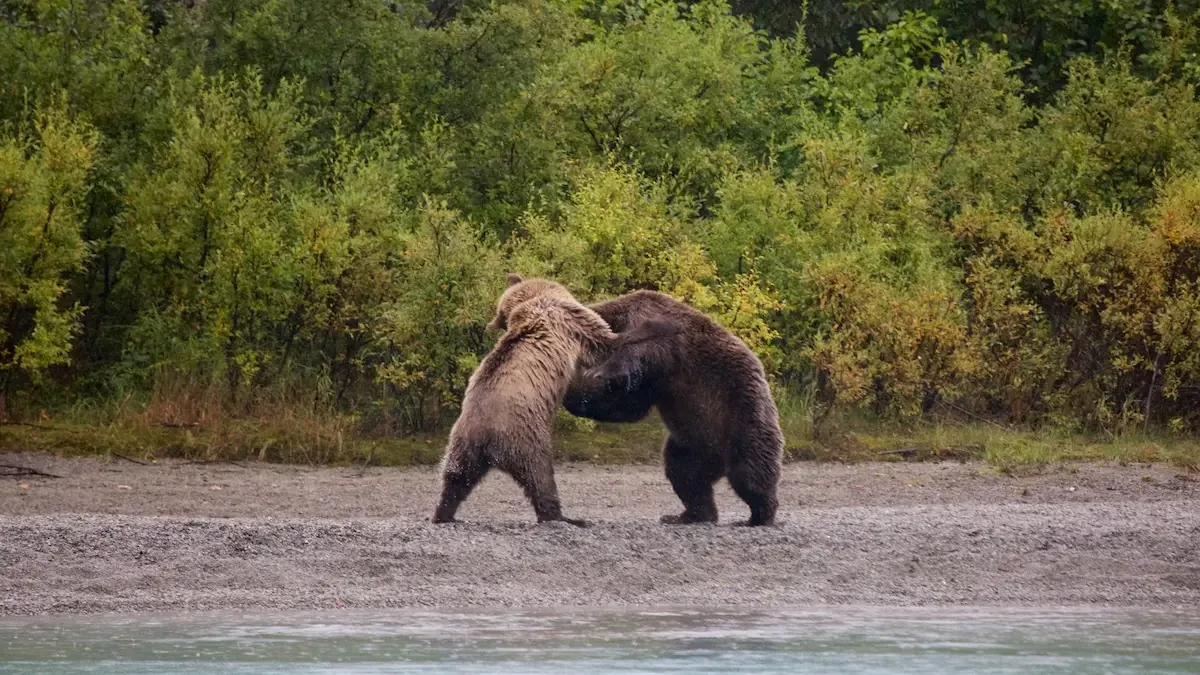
{"points": [[117, 536]]}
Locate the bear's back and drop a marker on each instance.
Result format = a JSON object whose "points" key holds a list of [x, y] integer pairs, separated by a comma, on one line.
{"points": [[719, 377], [528, 371], [714, 346]]}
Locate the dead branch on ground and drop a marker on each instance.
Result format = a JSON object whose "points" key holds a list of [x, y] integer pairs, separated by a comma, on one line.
{"points": [[14, 471]]}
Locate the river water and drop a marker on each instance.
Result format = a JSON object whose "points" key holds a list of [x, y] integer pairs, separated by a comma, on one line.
{"points": [[694, 641]]}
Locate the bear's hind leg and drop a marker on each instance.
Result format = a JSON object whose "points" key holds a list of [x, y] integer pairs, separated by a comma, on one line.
{"points": [[692, 475], [465, 466], [535, 474], [755, 483]]}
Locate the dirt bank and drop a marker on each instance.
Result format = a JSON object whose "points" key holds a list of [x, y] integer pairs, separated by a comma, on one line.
{"points": [[123, 537]]}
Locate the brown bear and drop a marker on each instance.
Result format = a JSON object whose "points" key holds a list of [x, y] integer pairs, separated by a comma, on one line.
{"points": [[711, 392], [511, 398]]}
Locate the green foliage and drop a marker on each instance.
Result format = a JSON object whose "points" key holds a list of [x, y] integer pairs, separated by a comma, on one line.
{"points": [[618, 233], [431, 330], [206, 227], [614, 235], [900, 206], [44, 176], [1043, 36]]}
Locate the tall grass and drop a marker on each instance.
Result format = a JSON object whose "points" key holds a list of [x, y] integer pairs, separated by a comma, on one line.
{"points": [[200, 425]]}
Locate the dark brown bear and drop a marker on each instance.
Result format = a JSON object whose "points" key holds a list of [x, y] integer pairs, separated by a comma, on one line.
{"points": [[711, 393]]}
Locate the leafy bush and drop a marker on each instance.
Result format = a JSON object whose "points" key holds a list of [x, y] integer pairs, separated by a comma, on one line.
{"points": [[44, 179], [897, 206]]}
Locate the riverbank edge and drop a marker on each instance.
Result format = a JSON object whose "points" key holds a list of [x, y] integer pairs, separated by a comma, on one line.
{"points": [[1008, 450]]}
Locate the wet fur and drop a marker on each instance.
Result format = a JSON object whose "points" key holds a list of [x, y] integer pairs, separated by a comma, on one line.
{"points": [[711, 392], [511, 398]]}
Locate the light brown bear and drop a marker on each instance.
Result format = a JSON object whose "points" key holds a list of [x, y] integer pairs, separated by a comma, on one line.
{"points": [[508, 409]]}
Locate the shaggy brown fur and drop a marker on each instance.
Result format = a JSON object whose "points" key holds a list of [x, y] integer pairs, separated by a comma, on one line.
{"points": [[508, 409], [711, 392]]}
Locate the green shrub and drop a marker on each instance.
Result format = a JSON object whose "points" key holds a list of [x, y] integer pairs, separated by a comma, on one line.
{"points": [[265, 204], [45, 168]]}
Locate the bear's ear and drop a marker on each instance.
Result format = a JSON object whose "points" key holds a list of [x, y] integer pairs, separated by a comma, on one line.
{"points": [[514, 279]]}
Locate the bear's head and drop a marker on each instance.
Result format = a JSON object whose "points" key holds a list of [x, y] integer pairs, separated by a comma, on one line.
{"points": [[520, 291]]}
